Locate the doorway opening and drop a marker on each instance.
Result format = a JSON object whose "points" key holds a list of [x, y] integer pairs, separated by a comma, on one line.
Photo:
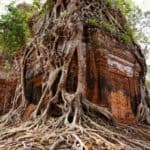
{"points": [[33, 89]]}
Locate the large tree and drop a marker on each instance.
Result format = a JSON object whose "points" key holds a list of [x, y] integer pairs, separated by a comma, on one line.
{"points": [[64, 118]]}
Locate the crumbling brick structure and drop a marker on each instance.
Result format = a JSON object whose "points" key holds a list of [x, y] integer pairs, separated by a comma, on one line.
{"points": [[113, 79], [7, 88]]}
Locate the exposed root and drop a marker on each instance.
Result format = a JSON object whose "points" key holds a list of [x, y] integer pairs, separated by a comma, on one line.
{"points": [[64, 119], [87, 135]]}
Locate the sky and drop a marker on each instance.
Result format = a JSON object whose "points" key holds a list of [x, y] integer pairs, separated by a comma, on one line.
{"points": [[143, 4], [6, 2]]}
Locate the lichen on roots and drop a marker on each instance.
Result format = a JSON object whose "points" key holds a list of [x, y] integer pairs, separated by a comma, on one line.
{"points": [[63, 118]]}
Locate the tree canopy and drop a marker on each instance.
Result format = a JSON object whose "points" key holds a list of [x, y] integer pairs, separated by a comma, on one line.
{"points": [[14, 29]]}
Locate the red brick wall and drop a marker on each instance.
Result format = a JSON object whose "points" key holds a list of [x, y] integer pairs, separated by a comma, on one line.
{"points": [[112, 77]]}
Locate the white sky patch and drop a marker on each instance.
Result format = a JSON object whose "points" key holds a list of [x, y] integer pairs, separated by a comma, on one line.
{"points": [[3, 9], [143, 4], [3, 3]]}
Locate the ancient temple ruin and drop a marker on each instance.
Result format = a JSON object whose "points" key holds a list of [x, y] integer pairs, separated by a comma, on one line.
{"points": [[76, 83], [114, 75], [117, 74], [7, 88], [113, 78]]}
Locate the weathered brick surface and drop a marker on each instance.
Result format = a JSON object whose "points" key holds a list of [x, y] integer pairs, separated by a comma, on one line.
{"points": [[7, 89], [113, 76]]}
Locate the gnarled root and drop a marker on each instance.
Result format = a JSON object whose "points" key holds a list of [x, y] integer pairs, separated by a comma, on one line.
{"points": [[63, 118]]}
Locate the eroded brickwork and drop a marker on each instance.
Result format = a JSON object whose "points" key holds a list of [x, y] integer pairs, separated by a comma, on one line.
{"points": [[7, 91], [116, 73], [112, 77], [7, 88]]}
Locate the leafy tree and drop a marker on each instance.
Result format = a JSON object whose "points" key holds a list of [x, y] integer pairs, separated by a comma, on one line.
{"points": [[36, 4], [14, 29]]}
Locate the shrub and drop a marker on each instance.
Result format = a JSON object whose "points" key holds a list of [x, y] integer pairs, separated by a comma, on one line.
{"points": [[108, 26], [14, 29]]}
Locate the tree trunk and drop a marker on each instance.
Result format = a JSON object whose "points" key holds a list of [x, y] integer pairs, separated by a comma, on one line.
{"points": [[63, 117]]}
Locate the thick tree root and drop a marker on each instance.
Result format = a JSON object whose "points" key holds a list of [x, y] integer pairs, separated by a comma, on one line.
{"points": [[64, 119], [88, 135]]}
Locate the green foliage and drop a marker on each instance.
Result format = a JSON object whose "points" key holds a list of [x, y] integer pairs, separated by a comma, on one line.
{"points": [[108, 26], [126, 38], [36, 4], [48, 6], [14, 29], [128, 35], [6, 66], [124, 5], [127, 8], [127, 32]]}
